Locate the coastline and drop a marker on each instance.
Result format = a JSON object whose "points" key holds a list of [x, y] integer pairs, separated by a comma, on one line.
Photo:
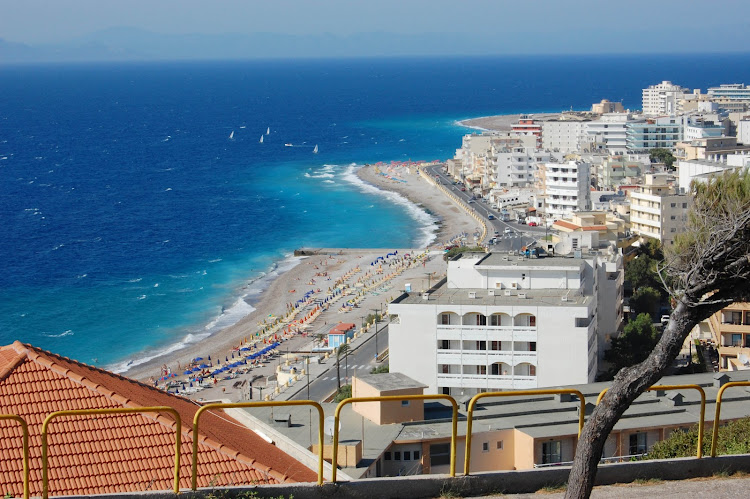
{"points": [[501, 122], [290, 284]]}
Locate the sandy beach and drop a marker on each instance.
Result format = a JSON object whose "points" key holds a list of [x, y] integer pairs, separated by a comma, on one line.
{"points": [[347, 270], [503, 122]]}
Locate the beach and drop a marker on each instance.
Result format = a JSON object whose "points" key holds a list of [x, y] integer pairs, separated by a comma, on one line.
{"points": [[368, 277], [503, 122]]}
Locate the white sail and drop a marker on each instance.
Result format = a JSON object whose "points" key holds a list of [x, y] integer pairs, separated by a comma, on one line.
{"points": [[231, 135], [315, 151], [261, 139], [268, 131]]}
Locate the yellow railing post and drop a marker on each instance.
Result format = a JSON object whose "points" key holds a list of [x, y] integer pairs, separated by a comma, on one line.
{"points": [[701, 421], [385, 398], [208, 407], [717, 414], [118, 410], [25, 430], [520, 393]]}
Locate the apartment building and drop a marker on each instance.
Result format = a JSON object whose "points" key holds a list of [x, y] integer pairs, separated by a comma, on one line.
{"points": [[608, 133], [515, 166], [500, 321], [730, 330], [737, 92], [613, 172], [528, 126], [662, 99], [657, 210], [566, 187], [662, 132], [564, 134]]}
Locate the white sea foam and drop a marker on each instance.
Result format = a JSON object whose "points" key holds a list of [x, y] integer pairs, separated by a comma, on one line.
{"points": [[329, 181], [227, 317], [322, 175], [60, 335], [427, 221], [137, 279], [142, 297], [215, 260]]}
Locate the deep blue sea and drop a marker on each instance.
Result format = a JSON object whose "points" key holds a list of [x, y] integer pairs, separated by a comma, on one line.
{"points": [[130, 223]]}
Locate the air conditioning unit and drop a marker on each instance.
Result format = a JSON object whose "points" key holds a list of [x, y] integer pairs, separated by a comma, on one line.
{"points": [[426, 296], [522, 295], [564, 298], [472, 294], [508, 292], [490, 292]]}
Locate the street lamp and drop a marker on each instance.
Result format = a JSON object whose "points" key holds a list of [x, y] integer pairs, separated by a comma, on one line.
{"points": [[376, 331]]}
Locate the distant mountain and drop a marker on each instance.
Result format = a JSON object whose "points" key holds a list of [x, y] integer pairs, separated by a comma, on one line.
{"points": [[123, 44]]}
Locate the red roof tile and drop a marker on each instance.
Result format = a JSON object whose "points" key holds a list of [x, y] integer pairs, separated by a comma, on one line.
{"points": [[119, 453]]}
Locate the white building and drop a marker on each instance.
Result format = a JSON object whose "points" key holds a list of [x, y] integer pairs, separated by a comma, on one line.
{"points": [[743, 131], [662, 99], [563, 134], [703, 169], [515, 166], [737, 92], [500, 322], [566, 187], [657, 210], [608, 133]]}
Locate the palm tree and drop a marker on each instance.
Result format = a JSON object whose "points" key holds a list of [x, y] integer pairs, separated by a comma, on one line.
{"points": [[342, 350]]}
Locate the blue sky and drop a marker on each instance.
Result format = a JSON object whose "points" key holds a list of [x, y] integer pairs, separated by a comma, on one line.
{"points": [[517, 26]]}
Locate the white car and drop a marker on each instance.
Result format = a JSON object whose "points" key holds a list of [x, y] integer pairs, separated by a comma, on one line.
{"points": [[508, 230]]}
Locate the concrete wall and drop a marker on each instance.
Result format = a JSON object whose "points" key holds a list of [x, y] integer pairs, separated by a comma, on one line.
{"points": [[509, 482], [387, 412]]}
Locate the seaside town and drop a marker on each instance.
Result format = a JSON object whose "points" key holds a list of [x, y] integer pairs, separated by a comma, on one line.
{"points": [[540, 277]]}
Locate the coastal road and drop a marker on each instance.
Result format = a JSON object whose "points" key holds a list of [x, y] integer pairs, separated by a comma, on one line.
{"points": [[359, 361], [520, 235]]}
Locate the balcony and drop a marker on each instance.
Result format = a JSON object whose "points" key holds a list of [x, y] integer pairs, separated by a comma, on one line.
{"points": [[487, 333], [485, 357], [501, 382]]}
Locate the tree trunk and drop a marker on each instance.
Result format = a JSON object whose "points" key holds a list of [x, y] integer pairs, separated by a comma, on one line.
{"points": [[629, 383]]}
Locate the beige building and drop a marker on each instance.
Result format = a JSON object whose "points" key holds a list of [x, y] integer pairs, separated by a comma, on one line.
{"points": [[384, 385], [605, 106], [656, 210], [730, 329]]}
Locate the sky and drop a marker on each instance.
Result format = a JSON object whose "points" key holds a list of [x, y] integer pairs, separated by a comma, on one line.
{"points": [[506, 26]]}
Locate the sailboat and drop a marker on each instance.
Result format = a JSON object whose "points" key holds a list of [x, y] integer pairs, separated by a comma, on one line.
{"points": [[261, 139], [231, 135], [315, 151], [268, 131]]}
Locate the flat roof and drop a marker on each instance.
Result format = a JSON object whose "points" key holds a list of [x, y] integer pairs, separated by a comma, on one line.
{"points": [[514, 261], [443, 295], [386, 382]]}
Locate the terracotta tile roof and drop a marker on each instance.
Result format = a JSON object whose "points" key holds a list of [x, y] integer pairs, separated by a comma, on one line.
{"points": [[566, 225], [118, 453]]}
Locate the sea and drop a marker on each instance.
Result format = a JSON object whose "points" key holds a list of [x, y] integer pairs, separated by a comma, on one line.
{"points": [[140, 213]]}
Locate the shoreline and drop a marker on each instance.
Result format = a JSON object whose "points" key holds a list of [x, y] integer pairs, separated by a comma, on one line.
{"points": [[291, 284], [502, 122]]}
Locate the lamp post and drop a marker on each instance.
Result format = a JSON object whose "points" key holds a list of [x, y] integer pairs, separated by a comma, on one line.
{"points": [[377, 310]]}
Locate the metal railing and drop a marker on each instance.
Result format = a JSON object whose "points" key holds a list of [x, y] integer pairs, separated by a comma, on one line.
{"points": [[208, 407], [386, 398], [701, 421], [475, 398], [119, 410], [25, 430], [717, 414]]}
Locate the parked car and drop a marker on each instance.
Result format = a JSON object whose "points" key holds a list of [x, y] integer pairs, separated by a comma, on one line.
{"points": [[532, 224], [463, 189], [508, 230]]}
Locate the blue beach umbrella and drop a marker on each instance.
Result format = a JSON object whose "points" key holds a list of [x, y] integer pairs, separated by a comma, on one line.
{"points": [[187, 372], [197, 359]]}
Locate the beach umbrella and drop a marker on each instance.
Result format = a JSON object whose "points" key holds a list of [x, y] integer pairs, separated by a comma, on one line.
{"points": [[203, 366], [197, 359], [226, 359], [186, 372]]}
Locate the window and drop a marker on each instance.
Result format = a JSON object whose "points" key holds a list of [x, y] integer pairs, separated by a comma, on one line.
{"points": [[532, 346], [684, 205], [407, 455], [532, 370], [445, 319], [485, 446], [638, 444], [445, 344], [397, 456], [481, 369], [416, 455], [440, 454], [736, 340], [405, 403], [532, 321], [496, 345], [672, 205], [446, 369], [551, 452], [387, 456], [495, 320], [499, 445], [481, 320], [481, 345]]}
